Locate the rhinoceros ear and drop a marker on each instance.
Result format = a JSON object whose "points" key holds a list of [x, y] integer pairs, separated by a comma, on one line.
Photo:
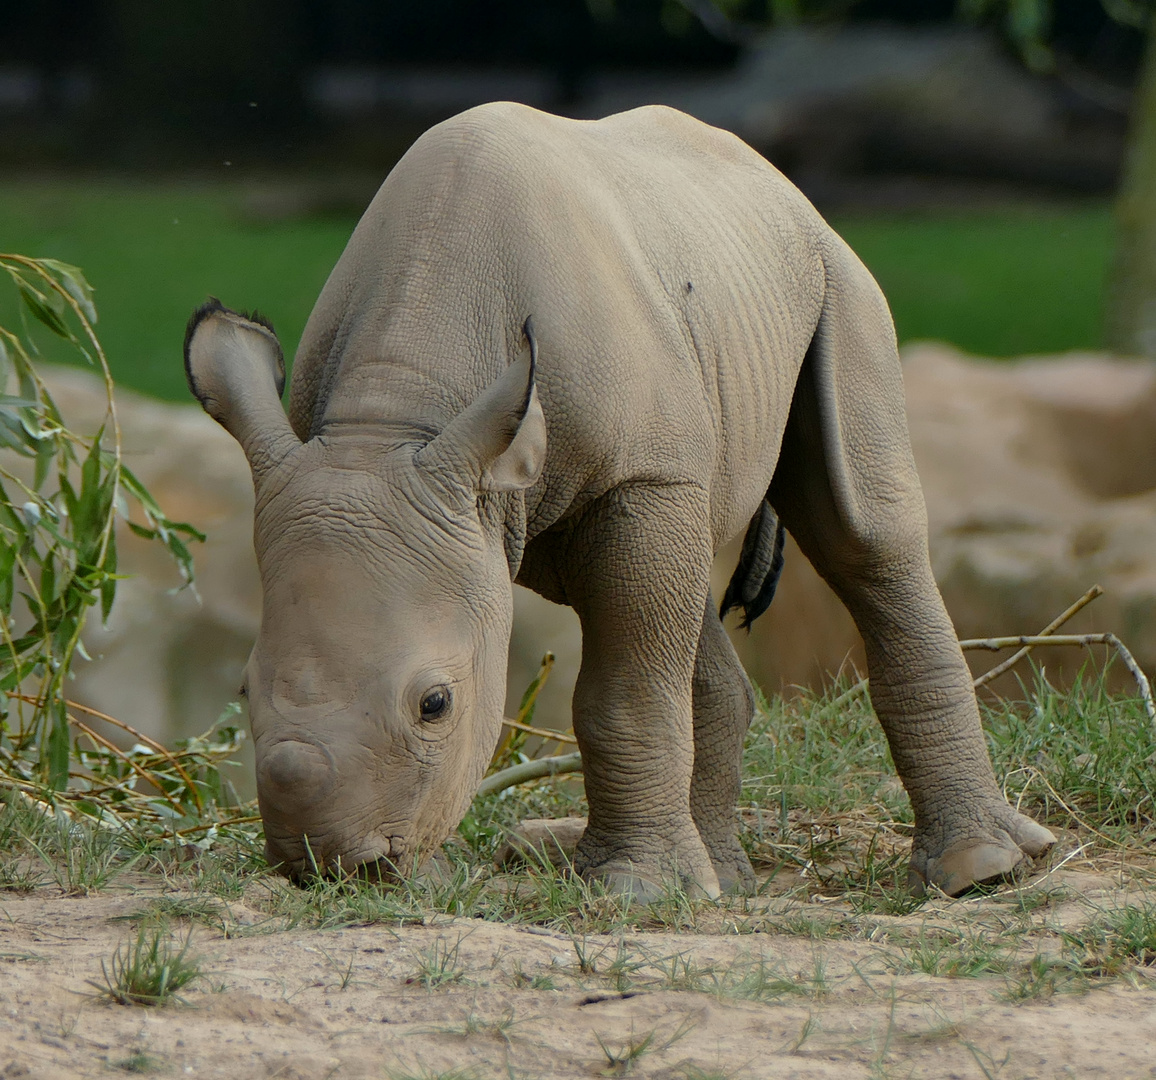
{"points": [[498, 443], [236, 370]]}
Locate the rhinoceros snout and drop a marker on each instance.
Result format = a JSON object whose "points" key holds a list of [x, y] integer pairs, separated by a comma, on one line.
{"points": [[293, 776], [309, 830]]}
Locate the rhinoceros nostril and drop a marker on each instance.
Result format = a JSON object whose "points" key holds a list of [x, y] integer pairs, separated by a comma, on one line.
{"points": [[292, 774]]}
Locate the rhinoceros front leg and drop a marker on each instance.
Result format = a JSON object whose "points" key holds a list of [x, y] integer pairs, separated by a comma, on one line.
{"points": [[637, 569], [723, 707]]}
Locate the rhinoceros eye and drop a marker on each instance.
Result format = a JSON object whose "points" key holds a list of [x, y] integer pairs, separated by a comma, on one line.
{"points": [[436, 703]]}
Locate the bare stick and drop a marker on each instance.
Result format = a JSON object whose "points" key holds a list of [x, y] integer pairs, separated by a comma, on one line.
{"points": [[1051, 628], [246, 820], [531, 770], [546, 733], [995, 644], [1003, 666]]}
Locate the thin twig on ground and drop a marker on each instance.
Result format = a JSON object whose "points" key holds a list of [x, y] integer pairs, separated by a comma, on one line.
{"points": [[1025, 643]]}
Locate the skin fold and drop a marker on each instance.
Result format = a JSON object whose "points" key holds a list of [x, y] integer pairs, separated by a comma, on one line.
{"points": [[704, 353]]}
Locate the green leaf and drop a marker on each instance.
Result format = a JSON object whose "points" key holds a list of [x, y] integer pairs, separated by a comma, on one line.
{"points": [[90, 470], [13, 435], [15, 673], [30, 422], [75, 284], [48, 581], [45, 456], [91, 511], [163, 529], [63, 633], [191, 531], [7, 568], [48, 307], [69, 496], [139, 492], [23, 365], [183, 556], [108, 585], [9, 519], [58, 748]]}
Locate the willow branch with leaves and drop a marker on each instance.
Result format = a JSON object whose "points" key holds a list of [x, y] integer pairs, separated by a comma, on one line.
{"points": [[58, 555]]}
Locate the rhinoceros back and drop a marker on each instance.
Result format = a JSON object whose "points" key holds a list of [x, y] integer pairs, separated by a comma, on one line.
{"points": [[675, 278]]}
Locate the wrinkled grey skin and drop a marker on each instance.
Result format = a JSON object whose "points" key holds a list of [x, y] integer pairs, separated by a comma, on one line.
{"points": [[704, 341]]}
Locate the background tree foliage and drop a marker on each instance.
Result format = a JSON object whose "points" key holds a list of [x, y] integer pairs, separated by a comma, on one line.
{"points": [[1131, 318]]}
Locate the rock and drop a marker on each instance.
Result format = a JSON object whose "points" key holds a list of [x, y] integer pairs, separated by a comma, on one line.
{"points": [[536, 839], [1040, 481], [1040, 478]]}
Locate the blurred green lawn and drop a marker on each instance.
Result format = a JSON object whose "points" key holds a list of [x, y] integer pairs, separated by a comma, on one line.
{"points": [[995, 282]]}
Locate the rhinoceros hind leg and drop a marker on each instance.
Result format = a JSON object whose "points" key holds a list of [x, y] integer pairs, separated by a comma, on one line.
{"points": [[846, 487]]}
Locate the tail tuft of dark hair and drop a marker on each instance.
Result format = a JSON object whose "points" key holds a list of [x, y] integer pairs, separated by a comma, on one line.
{"points": [[753, 584]]}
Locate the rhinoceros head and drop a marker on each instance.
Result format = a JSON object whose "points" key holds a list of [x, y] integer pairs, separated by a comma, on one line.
{"points": [[377, 680]]}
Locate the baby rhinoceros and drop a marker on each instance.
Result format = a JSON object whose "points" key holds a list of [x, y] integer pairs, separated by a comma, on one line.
{"points": [[704, 355]]}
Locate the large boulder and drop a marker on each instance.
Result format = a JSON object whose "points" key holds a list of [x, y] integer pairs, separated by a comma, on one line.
{"points": [[1040, 477]]}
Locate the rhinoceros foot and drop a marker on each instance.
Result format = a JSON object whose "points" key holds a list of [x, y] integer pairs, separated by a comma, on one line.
{"points": [[736, 877], [648, 872], [1000, 849]]}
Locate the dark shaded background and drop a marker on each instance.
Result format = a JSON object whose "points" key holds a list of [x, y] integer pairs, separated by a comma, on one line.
{"points": [[143, 85]]}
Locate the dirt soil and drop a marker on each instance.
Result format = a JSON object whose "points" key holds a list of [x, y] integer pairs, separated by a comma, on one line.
{"points": [[516, 1002]]}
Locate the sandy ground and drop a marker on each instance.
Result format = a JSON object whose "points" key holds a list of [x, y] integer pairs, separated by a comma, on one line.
{"points": [[350, 1003]]}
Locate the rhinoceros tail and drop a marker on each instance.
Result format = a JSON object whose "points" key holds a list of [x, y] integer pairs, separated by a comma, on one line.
{"points": [[752, 586]]}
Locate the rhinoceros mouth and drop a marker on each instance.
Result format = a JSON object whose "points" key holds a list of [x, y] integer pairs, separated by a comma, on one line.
{"points": [[383, 862]]}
